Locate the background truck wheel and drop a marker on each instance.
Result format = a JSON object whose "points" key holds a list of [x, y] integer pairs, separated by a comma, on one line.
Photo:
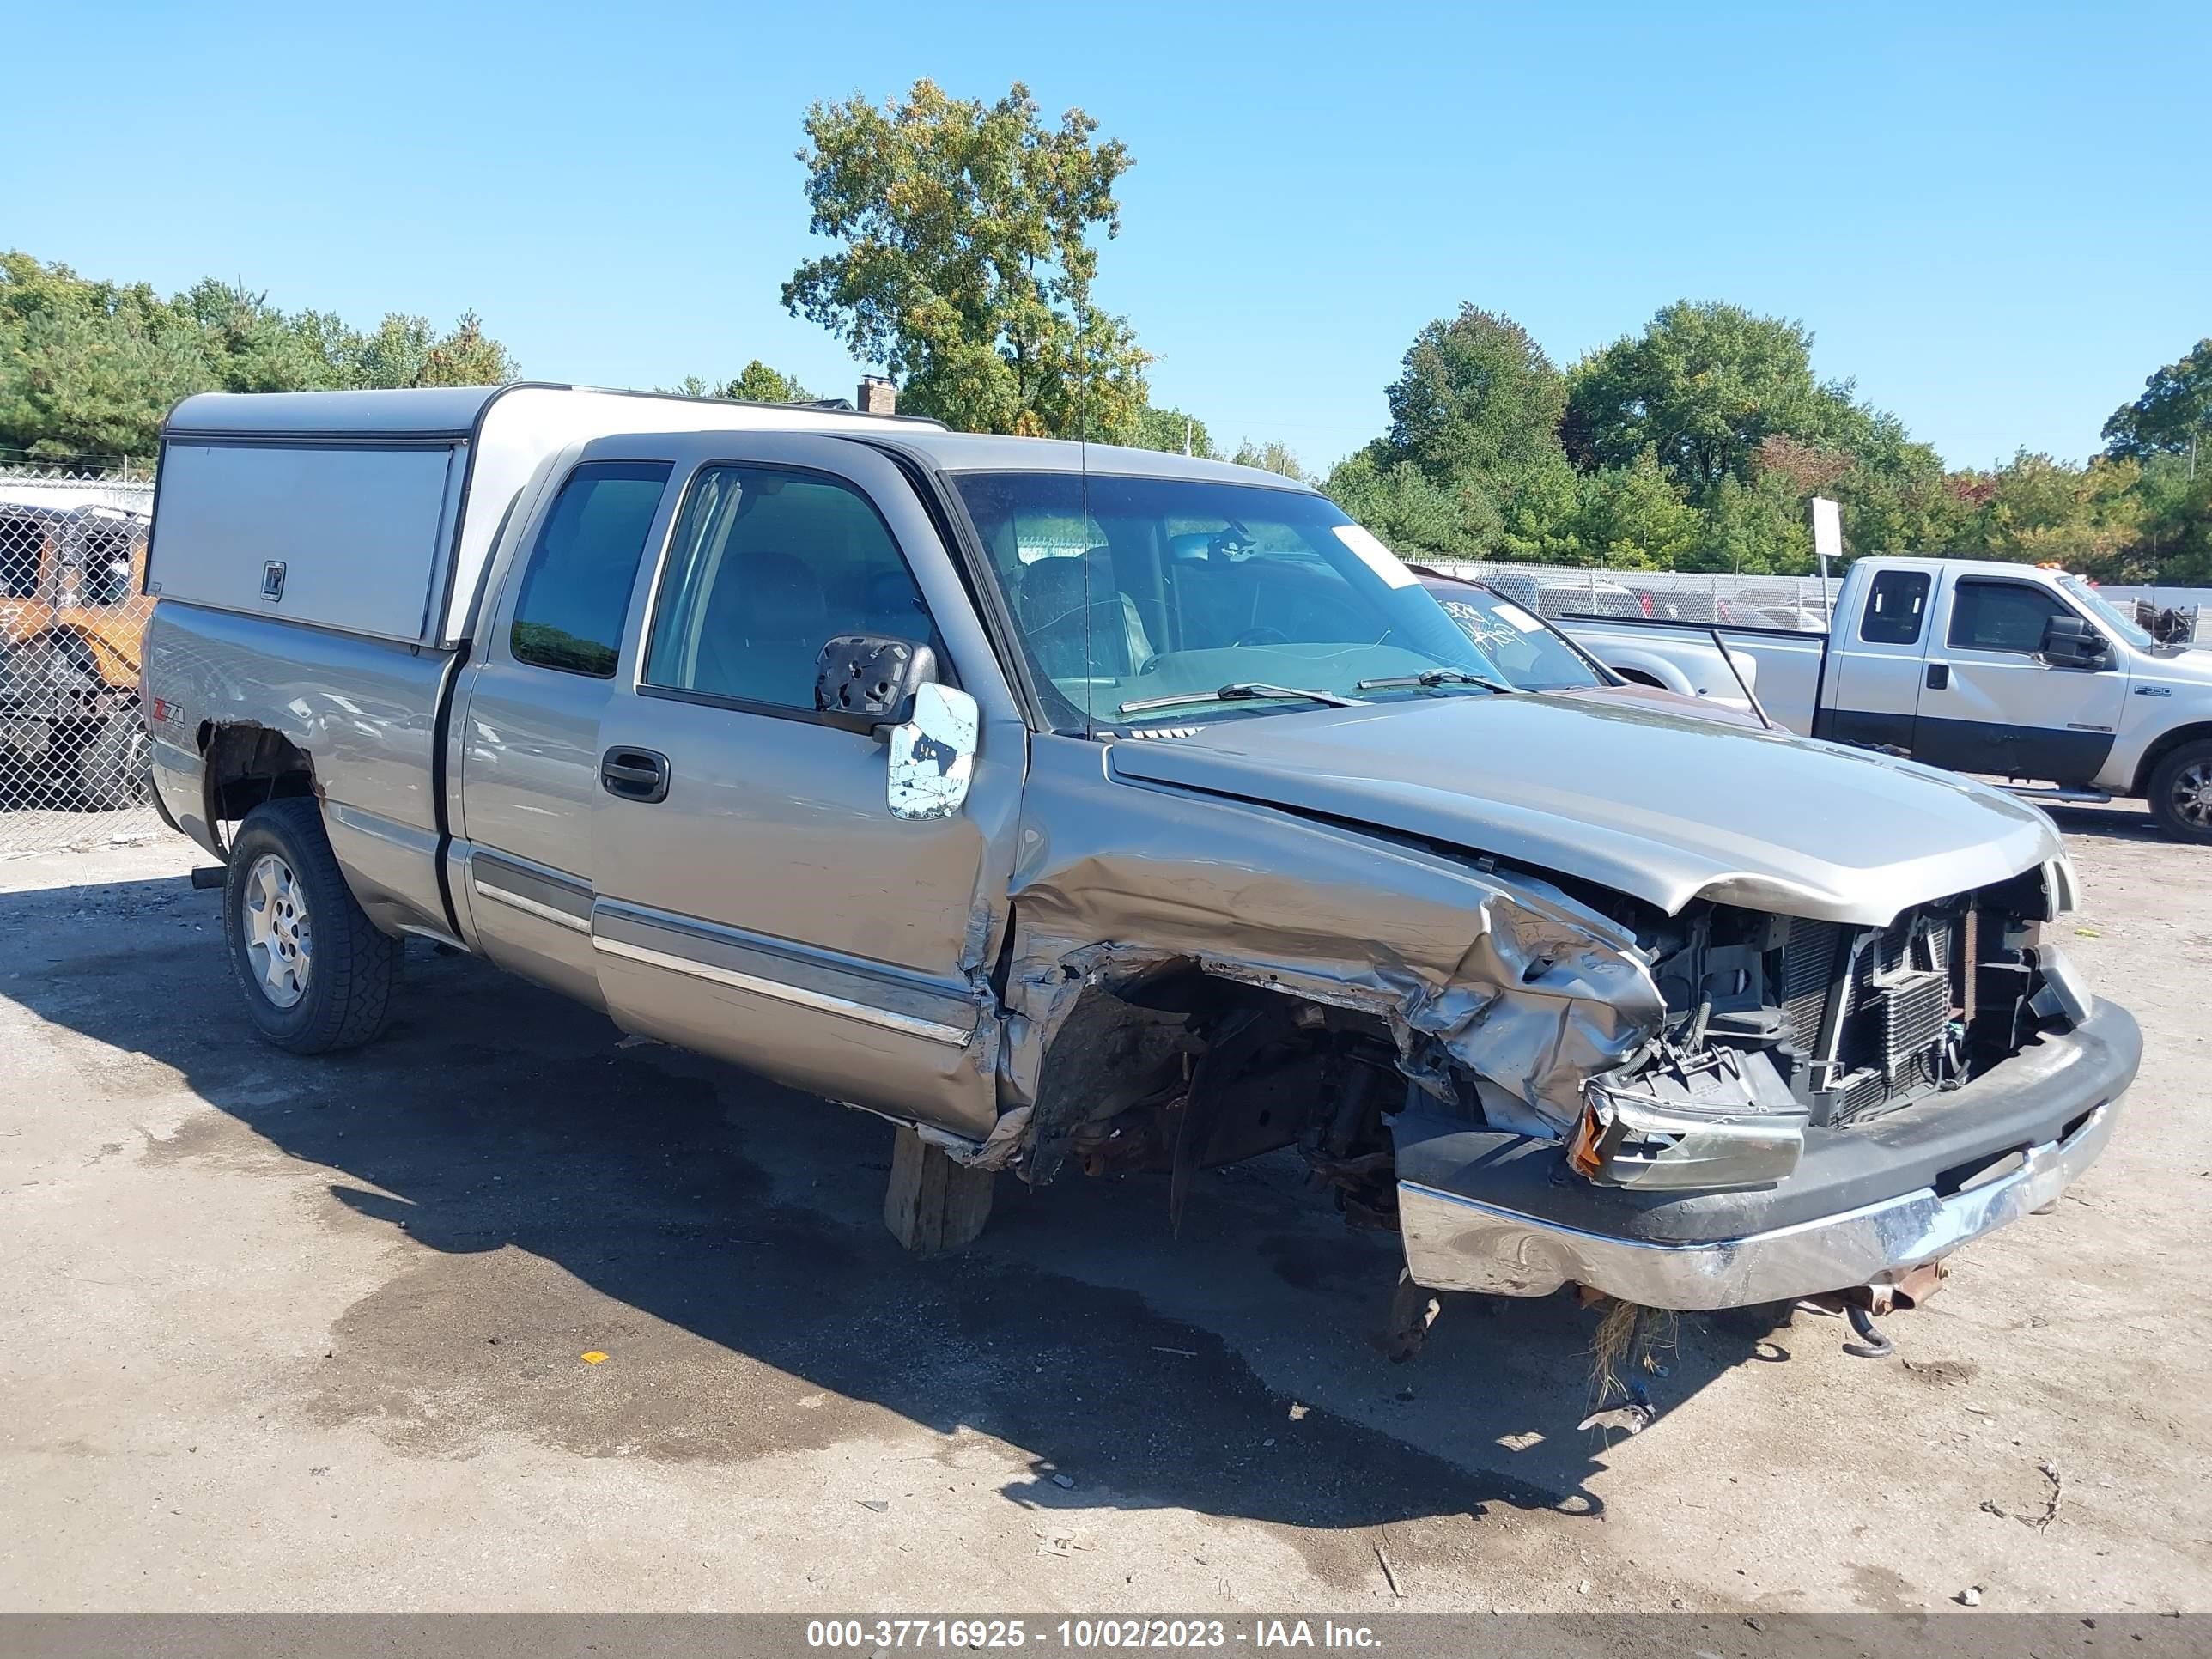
{"points": [[316, 973], [2181, 792], [111, 766]]}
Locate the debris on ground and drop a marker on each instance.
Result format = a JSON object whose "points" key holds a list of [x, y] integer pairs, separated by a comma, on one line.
{"points": [[1390, 1572], [1624, 1351], [1065, 1482], [1969, 1597], [2051, 1500]]}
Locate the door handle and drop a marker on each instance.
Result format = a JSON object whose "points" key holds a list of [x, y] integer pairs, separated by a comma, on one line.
{"points": [[1939, 676], [638, 774]]}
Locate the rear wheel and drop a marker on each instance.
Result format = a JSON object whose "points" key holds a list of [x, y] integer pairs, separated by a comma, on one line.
{"points": [[2181, 791], [316, 973]]}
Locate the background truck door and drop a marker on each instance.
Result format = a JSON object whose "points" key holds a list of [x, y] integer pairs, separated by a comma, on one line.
{"points": [[529, 742], [1990, 703], [757, 899], [1873, 687]]}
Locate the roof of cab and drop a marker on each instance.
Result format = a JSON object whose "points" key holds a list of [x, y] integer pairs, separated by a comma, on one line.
{"points": [[987, 451]]}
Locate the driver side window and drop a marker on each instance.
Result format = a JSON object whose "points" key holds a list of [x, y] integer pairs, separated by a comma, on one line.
{"points": [[2001, 615], [767, 565]]}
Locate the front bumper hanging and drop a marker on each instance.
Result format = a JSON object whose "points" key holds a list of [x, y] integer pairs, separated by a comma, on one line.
{"points": [[1503, 1215]]}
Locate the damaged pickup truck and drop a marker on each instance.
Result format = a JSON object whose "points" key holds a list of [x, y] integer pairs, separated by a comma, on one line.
{"points": [[1076, 807]]}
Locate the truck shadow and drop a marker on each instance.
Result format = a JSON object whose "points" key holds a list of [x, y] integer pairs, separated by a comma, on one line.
{"points": [[1230, 1371], [2121, 821]]}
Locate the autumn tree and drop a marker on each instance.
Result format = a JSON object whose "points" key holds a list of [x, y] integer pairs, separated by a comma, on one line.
{"points": [[967, 262]]}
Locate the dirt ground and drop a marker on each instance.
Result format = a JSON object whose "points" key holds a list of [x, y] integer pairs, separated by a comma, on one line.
{"points": [[285, 1334]]}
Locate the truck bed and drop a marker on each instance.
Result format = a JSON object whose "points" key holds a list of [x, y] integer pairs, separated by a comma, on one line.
{"points": [[366, 709], [1787, 675]]}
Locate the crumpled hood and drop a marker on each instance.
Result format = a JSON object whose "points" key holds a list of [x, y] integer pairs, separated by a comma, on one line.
{"points": [[1659, 806]]}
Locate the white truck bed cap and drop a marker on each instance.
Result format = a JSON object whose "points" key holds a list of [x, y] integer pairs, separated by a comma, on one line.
{"points": [[375, 511]]}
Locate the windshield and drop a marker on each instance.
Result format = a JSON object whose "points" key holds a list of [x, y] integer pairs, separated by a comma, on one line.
{"points": [[1127, 590], [2108, 613], [1527, 652]]}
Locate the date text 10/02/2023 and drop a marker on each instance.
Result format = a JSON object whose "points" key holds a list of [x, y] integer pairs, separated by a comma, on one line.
{"points": [[1083, 1635]]}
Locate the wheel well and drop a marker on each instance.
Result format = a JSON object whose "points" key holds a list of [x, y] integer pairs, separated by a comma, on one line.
{"points": [[1174, 1069], [242, 766], [2166, 745], [1640, 677]]}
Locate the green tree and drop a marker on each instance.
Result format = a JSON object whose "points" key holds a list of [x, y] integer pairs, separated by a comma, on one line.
{"points": [[1634, 518], [90, 368], [2173, 415], [1475, 395], [1408, 510], [1270, 457], [1760, 527], [1702, 388], [1170, 429], [2173, 542], [759, 384], [967, 265], [1540, 514]]}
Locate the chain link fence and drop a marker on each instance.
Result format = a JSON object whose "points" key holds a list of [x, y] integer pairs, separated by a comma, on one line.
{"points": [[72, 616], [1800, 603]]}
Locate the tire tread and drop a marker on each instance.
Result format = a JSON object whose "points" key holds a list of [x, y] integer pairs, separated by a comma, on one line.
{"points": [[356, 966]]}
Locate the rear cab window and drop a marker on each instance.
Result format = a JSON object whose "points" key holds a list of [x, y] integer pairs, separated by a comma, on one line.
{"points": [[1896, 608], [575, 598]]}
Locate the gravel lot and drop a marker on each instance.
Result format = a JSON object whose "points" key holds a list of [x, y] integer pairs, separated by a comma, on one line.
{"points": [[308, 1334]]}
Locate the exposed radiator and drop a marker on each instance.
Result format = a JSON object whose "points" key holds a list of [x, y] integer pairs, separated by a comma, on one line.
{"points": [[1808, 967], [1896, 1009]]}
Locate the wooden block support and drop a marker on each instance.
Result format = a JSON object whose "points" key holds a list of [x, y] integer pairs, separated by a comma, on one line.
{"points": [[933, 1204]]}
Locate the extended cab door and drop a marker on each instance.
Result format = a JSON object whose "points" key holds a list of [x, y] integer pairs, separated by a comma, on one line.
{"points": [[1988, 700], [528, 712], [1874, 670], [756, 898]]}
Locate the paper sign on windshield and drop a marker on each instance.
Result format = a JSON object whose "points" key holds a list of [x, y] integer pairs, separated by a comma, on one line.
{"points": [[1376, 556], [1520, 618]]}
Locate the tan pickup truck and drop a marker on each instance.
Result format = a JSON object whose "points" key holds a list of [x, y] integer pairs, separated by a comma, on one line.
{"points": [[1079, 807]]}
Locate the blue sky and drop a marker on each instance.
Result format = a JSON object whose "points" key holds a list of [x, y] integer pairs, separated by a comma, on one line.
{"points": [[1995, 218]]}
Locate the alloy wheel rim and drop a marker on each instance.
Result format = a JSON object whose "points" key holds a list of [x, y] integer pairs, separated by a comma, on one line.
{"points": [[279, 940], [2192, 794]]}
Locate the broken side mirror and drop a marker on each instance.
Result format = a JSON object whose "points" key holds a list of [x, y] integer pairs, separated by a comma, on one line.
{"points": [[2070, 642], [933, 753], [864, 682]]}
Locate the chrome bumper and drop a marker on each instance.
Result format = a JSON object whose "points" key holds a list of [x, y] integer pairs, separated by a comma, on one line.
{"points": [[1466, 1240]]}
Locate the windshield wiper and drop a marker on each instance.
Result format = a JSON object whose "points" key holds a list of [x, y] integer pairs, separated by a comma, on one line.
{"points": [[1434, 676], [1237, 691]]}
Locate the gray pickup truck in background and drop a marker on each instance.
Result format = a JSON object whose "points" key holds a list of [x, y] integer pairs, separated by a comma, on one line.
{"points": [[1070, 805]]}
